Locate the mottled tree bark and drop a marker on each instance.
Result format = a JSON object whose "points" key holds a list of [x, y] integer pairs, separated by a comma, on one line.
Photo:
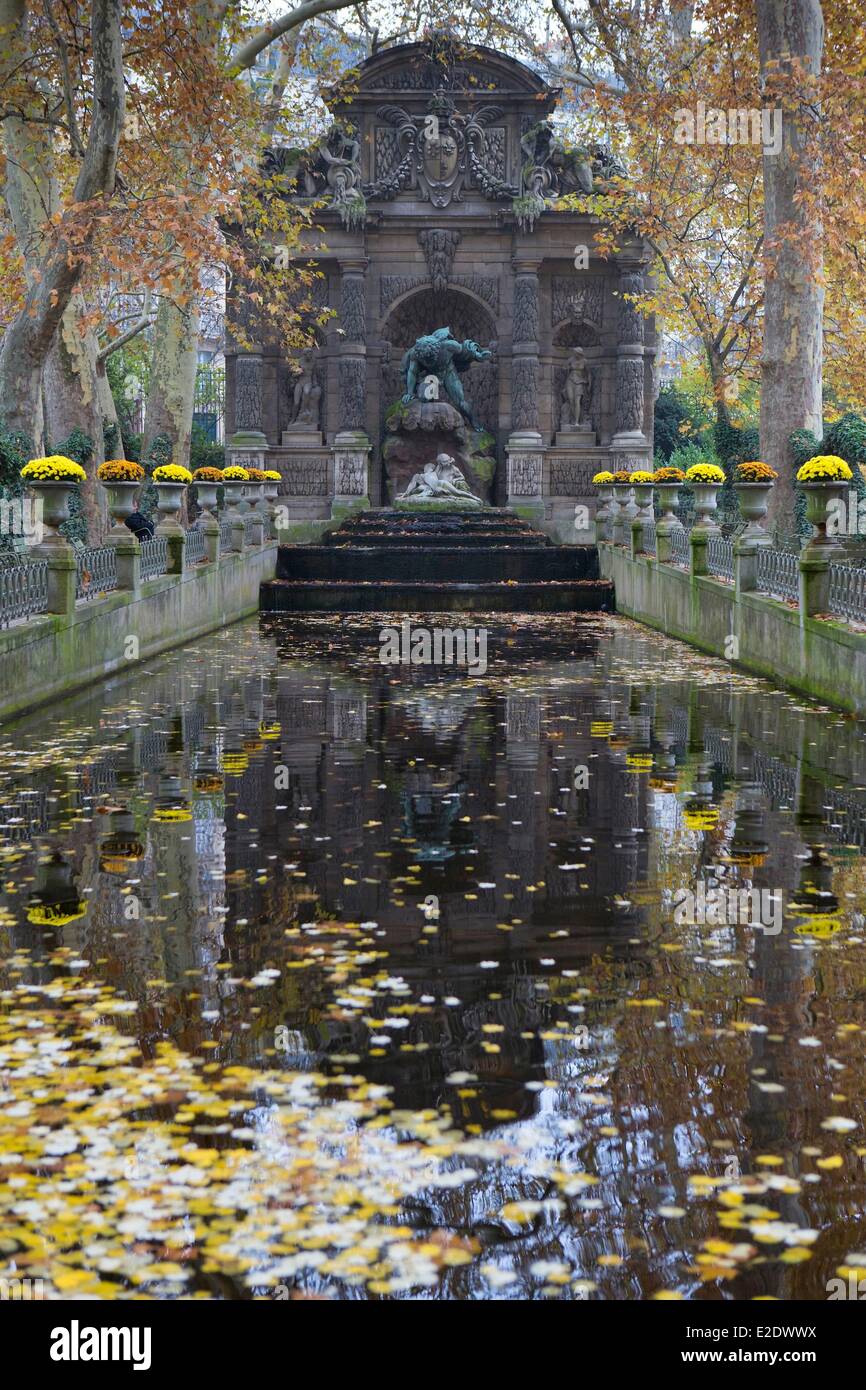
{"points": [[171, 390], [72, 400], [791, 32], [29, 337]]}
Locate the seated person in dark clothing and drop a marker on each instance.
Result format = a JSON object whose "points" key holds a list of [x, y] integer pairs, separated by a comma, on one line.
{"points": [[140, 525]]}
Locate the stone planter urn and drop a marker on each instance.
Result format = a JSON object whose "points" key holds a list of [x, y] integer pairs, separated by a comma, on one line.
{"points": [[52, 499], [669, 496], [169, 502], [272, 493], [754, 500], [121, 503], [624, 494], [233, 492], [206, 496], [605, 512], [705, 506], [819, 495], [643, 496]]}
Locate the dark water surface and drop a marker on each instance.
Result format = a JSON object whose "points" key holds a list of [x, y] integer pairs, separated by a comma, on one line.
{"points": [[464, 890]]}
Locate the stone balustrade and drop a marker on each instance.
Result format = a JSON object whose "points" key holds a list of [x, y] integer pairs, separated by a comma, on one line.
{"points": [[797, 619], [69, 616]]}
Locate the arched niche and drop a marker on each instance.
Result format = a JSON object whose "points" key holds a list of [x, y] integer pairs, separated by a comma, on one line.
{"points": [[424, 311]]}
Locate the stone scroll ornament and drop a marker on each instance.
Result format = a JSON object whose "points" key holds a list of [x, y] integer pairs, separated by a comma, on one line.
{"points": [[442, 152], [333, 166]]}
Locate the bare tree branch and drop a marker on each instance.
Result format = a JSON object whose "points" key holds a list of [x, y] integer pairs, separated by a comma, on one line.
{"points": [[145, 321], [63, 53], [246, 54]]}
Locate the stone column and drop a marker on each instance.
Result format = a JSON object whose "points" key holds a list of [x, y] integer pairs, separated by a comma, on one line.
{"points": [[62, 575], [815, 580], [524, 449], [630, 364], [248, 443], [745, 566], [698, 540], [351, 442], [211, 530], [176, 552], [128, 560]]}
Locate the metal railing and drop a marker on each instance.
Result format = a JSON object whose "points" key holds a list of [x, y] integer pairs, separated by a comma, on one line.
{"points": [[226, 527], [680, 548], [196, 552], [778, 573], [848, 592], [720, 557], [154, 557], [23, 590], [97, 572], [648, 538], [252, 521]]}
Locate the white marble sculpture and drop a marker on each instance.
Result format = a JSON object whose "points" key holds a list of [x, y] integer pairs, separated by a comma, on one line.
{"points": [[440, 480]]}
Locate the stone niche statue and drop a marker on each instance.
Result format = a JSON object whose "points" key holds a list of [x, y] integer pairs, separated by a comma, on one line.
{"points": [[575, 391], [575, 425], [305, 399], [441, 357], [440, 480]]}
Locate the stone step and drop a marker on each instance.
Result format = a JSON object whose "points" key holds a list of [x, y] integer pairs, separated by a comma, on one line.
{"points": [[334, 596], [396, 522], [408, 564]]}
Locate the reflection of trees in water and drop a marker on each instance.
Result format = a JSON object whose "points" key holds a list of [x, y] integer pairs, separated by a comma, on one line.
{"points": [[376, 768]]}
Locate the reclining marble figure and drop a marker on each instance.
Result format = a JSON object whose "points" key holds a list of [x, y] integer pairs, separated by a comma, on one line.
{"points": [[440, 478]]}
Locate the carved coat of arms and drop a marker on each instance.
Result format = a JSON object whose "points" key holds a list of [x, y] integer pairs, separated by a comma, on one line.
{"points": [[440, 152]]}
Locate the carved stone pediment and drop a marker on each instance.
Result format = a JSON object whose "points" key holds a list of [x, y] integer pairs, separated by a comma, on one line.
{"points": [[439, 152]]}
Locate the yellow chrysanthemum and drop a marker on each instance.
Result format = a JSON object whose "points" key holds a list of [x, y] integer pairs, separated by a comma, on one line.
{"points": [[56, 468], [171, 473], [824, 468], [705, 474]]}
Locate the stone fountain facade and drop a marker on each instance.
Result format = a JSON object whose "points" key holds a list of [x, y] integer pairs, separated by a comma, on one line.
{"points": [[444, 183]]}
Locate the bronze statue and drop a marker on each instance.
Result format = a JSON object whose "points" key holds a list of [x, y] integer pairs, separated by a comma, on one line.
{"points": [[438, 354]]}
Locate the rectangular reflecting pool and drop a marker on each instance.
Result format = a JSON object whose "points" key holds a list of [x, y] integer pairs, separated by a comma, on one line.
{"points": [[328, 975]]}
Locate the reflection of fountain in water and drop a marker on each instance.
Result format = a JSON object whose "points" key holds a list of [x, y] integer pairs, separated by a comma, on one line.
{"points": [[437, 715]]}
